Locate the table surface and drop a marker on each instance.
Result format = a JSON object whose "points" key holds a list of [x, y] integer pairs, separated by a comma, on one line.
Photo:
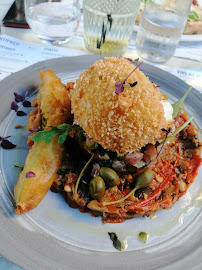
{"points": [[77, 43]]}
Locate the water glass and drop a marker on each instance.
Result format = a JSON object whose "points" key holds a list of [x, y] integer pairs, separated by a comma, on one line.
{"points": [[108, 25], [53, 21], [160, 29]]}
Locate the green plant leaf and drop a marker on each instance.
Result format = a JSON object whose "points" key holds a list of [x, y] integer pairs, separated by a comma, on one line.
{"points": [[45, 135], [62, 138], [62, 130], [63, 126], [177, 106], [143, 236], [193, 15], [115, 241], [180, 128]]}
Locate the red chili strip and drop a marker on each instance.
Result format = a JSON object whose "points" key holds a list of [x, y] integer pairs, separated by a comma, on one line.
{"points": [[150, 198], [165, 203]]}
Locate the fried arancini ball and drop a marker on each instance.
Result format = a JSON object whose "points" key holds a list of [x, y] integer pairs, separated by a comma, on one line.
{"points": [[118, 122]]}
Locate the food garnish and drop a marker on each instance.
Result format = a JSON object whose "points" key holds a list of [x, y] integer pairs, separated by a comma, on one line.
{"points": [[143, 236], [6, 144], [142, 180], [97, 188], [30, 174], [63, 130], [19, 98], [14, 106], [119, 86], [167, 132], [18, 167], [110, 177], [81, 174], [25, 103], [116, 242], [133, 61], [179, 129], [179, 105], [20, 113]]}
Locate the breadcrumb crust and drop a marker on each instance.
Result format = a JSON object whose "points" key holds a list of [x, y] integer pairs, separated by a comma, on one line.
{"points": [[122, 123]]}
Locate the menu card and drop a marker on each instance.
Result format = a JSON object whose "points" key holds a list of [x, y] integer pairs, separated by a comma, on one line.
{"points": [[16, 54]]}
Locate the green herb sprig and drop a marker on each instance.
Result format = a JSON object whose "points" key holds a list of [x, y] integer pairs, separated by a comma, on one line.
{"points": [[193, 15], [177, 106], [62, 130], [179, 129], [116, 242], [143, 236]]}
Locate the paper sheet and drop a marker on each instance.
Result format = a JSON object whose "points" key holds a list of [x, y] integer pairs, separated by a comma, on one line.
{"points": [[16, 54], [190, 76]]}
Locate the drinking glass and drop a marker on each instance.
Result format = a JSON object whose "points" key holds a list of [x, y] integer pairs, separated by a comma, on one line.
{"points": [[160, 29], [108, 25], [53, 21]]}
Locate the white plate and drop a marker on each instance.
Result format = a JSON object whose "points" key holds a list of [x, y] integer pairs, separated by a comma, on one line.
{"points": [[55, 236]]}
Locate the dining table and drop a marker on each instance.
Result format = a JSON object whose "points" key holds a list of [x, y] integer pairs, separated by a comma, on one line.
{"points": [[186, 64]]}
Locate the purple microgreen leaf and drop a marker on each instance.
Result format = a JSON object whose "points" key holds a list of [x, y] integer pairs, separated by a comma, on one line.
{"points": [[135, 61], [7, 145], [167, 132], [25, 94], [157, 85], [119, 87], [14, 106], [4, 138], [30, 174], [133, 70], [133, 84], [21, 113], [18, 97], [27, 104]]}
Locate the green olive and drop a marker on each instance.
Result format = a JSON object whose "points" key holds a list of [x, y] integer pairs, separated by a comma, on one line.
{"points": [[97, 188], [144, 178], [110, 177]]}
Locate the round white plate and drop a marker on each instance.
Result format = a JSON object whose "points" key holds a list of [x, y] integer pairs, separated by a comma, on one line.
{"points": [[55, 236]]}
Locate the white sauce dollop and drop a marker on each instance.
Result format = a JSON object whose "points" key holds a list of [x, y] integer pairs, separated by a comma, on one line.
{"points": [[168, 110]]}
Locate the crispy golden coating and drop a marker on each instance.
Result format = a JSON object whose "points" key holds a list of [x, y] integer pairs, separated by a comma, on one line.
{"points": [[124, 122], [53, 99], [44, 161], [53, 104]]}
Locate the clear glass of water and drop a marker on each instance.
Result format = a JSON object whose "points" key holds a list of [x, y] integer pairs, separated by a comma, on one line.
{"points": [[160, 29], [108, 25], [53, 21]]}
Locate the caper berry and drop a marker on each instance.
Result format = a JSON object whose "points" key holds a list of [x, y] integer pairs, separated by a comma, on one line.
{"points": [[110, 177], [97, 188], [144, 178]]}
